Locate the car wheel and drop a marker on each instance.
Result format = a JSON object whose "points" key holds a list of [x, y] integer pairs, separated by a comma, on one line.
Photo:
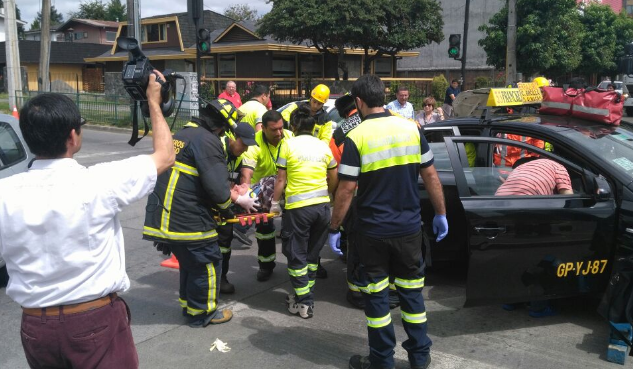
{"points": [[628, 110], [4, 277]]}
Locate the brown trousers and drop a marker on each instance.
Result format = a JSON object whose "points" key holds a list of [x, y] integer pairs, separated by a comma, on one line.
{"points": [[99, 338]]}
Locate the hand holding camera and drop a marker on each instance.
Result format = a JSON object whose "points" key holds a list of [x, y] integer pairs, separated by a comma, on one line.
{"points": [[154, 88]]}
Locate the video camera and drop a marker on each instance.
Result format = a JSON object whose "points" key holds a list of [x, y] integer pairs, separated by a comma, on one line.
{"points": [[136, 73]]}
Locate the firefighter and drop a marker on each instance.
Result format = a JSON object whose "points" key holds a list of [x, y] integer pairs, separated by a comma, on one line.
{"points": [[180, 211], [384, 155], [318, 97], [259, 165], [234, 144], [254, 109], [306, 176]]}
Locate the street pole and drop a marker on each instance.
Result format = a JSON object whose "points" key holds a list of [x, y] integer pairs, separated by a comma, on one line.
{"points": [[14, 76], [463, 59], [134, 26], [511, 38], [45, 48]]}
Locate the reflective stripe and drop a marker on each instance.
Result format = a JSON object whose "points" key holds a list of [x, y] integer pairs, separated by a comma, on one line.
{"points": [[426, 157], [266, 259], [167, 203], [265, 236], [225, 250], [225, 204], [298, 272], [185, 168], [194, 236], [306, 196], [379, 322], [211, 292], [589, 110], [353, 287], [281, 162], [332, 164], [375, 287], [302, 290], [410, 283], [311, 283], [392, 287], [312, 267], [349, 170], [556, 105], [183, 303], [414, 318], [388, 153]]}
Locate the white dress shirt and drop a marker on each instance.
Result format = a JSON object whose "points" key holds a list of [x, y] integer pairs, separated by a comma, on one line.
{"points": [[406, 111], [59, 228]]}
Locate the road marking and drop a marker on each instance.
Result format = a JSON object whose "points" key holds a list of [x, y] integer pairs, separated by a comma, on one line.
{"points": [[110, 153]]}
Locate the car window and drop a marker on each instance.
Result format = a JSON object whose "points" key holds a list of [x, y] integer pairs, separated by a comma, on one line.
{"points": [[436, 140], [11, 149], [491, 172]]}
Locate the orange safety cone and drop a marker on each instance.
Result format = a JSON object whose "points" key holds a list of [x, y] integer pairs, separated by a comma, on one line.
{"points": [[15, 113], [171, 263]]}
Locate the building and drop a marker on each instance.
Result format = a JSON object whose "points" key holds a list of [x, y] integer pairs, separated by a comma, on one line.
{"points": [[80, 30], [2, 24]]}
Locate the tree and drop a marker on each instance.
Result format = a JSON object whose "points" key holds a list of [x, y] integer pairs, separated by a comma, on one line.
{"points": [[241, 12], [623, 30], [598, 43], [94, 9], [116, 11], [56, 18], [384, 26], [549, 36]]}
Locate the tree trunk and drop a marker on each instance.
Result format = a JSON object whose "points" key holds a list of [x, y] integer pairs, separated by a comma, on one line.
{"points": [[341, 63]]}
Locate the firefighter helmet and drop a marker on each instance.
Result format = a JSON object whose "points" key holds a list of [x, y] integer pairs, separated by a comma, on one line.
{"points": [[541, 82], [320, 93], [218, 113]]}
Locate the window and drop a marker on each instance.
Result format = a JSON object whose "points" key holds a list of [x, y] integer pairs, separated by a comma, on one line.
{"points": [[310, 66], [436, 139], [209, 67], [227, 65], [154, 32], [80, 35], [111, 36], [283, 65], [11, 149], [383, 67]]}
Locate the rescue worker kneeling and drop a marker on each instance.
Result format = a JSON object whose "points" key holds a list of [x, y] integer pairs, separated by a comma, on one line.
{"points": [[305, 169], [180, 212]]}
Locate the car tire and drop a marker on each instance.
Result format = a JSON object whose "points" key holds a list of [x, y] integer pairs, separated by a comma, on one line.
{"points": [[628, 111], [4, 277]]}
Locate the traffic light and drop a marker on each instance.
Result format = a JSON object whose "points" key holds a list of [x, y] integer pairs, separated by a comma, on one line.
{"points": [[454, 46], [203, 40]]}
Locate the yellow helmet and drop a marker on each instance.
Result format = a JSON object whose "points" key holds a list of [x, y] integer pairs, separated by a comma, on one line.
{"points": [[320, 93], [541, 82]]}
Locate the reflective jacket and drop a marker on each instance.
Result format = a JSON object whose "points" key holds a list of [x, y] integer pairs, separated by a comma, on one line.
{"points": [[511, 154], [179, 209], [323, 126]]}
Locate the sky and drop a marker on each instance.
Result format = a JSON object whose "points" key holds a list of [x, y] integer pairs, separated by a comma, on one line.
{"points": [[30, 8]]}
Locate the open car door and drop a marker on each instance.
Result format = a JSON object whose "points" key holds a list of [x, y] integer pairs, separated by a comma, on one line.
{"points": [[525, 248]]}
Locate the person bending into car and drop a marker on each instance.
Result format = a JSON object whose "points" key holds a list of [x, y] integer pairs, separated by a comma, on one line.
{"points": [[63, 242]]}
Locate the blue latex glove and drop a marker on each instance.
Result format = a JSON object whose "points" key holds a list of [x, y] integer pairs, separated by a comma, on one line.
{"points": [[440, 227], [334, 240]]}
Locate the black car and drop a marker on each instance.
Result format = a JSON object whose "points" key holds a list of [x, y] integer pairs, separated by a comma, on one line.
{"points": [[524, 248]]}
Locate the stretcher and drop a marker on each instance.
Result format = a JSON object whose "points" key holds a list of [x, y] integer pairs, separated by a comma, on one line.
{"points": [[245, 219]]}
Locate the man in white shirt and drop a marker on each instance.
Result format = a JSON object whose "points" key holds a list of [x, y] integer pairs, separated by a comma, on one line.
{"points": [[401, 105], [62, 241]]}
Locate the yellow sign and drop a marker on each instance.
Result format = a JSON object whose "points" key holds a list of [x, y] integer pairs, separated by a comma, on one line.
{"points": [[505, 97], [530, 92]]}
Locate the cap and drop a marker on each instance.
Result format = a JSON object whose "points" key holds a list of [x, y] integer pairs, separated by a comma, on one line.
{"points": [[246, 133]]}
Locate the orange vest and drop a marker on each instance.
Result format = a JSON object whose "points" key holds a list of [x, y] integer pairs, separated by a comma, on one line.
{"points": [[511, 154]]}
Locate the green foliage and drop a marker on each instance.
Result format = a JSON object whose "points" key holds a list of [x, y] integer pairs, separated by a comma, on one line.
{"points": [[483, 81], [549, 34], [384, 26], [598, 43], [56, 18], [439, 87], [94, 9], [241, 12], [623, 30], [116, 11]]}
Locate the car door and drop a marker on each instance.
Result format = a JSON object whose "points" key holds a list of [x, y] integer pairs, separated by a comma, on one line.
{"points": [[524, 248]]}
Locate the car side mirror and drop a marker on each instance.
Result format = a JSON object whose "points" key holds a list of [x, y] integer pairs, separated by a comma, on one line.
{"points": [[602, 191]]}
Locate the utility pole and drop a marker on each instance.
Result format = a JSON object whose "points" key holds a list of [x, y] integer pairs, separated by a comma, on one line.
{"points": [[134, 21], [463, 60], [45, 48], [511, 38], [14, 77]]}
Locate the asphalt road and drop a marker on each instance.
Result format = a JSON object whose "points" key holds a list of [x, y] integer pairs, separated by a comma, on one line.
{"points": [[264, 335]]}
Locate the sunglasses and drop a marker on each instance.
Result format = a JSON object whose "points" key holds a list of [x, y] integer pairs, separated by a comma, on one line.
{"points": [[429, 105]]}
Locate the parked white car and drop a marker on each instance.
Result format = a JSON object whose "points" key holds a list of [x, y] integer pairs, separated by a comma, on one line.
{"points": [[622, 89]]}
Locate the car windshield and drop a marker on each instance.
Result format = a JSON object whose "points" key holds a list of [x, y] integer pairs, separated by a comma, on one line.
{"points": [[604, 85], [613, 144]]}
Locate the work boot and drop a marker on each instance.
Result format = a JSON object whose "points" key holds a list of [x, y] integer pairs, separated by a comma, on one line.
{"points": [[226, 287], [241, 237], [321, 272], [422, 366], [304, 311], [355, 298], [362, 362], [215, 317], [264, 274]]}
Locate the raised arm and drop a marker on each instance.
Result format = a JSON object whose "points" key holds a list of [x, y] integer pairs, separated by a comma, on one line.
{"points": [[163, 154]]}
